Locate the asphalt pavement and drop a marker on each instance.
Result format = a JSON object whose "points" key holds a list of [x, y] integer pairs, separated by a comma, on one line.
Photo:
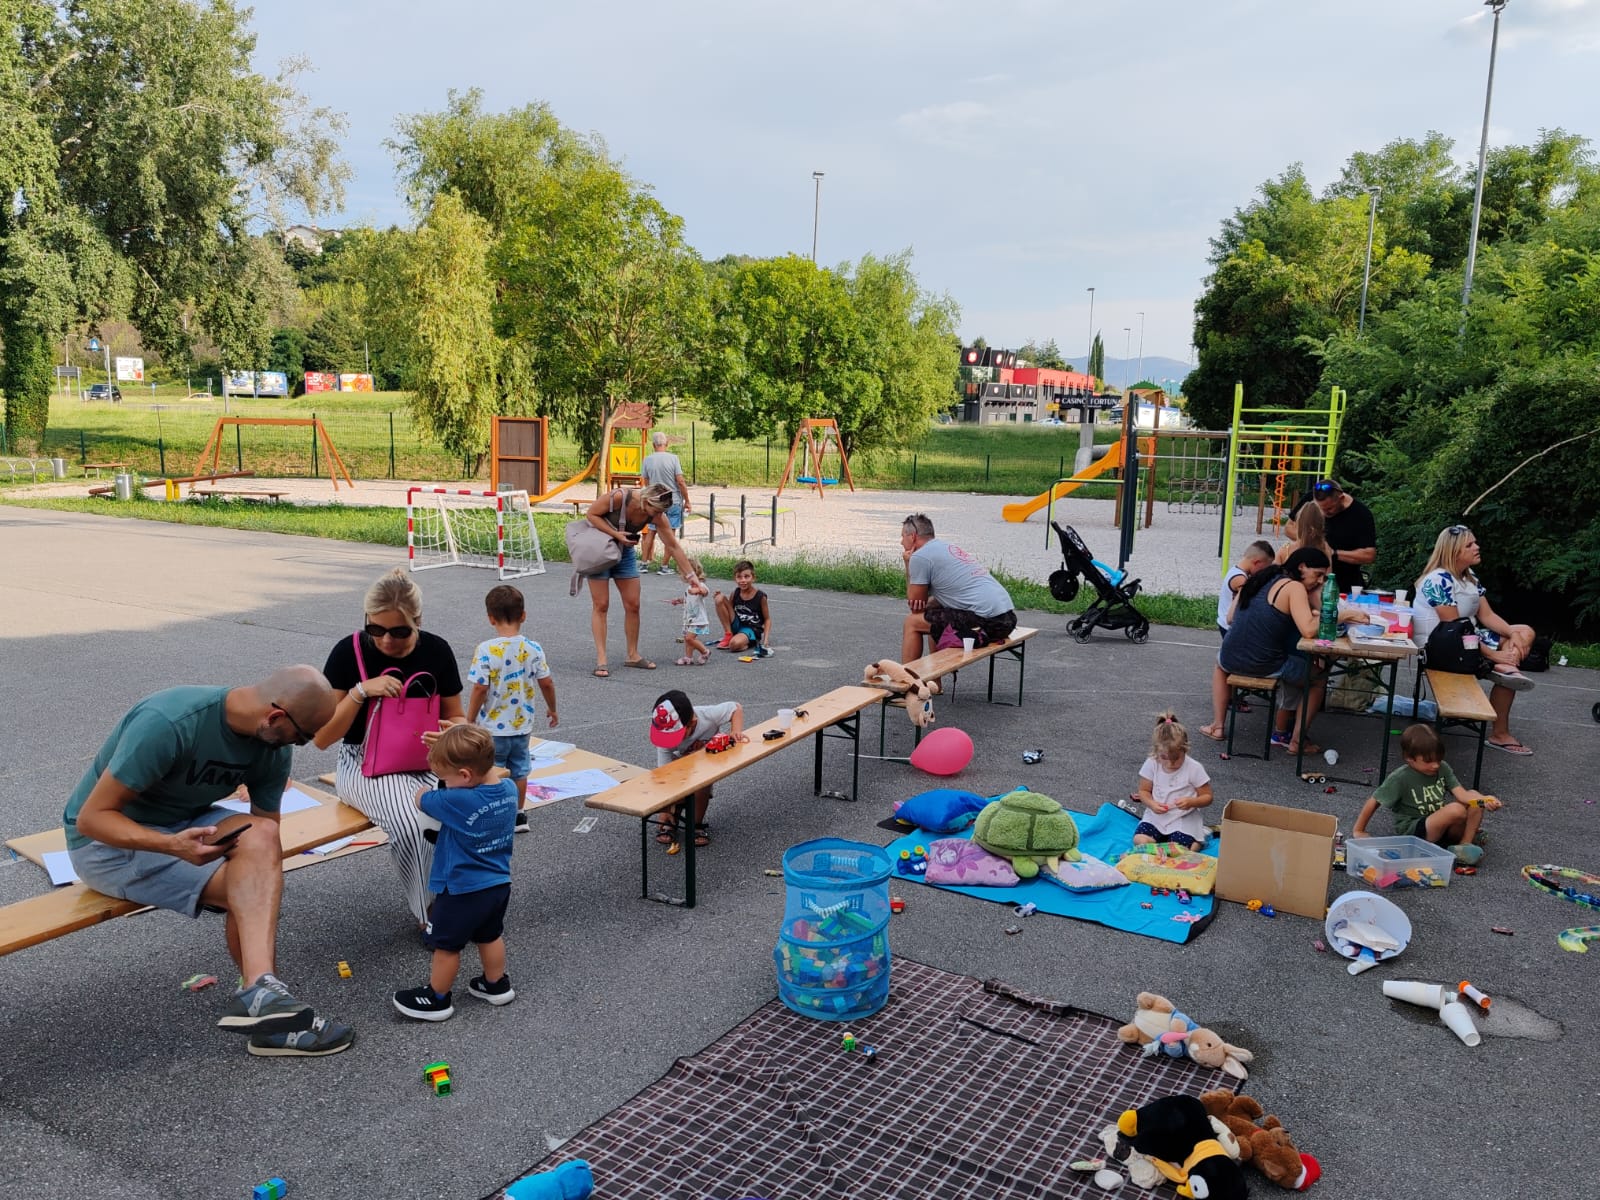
{"points": [[120, 1085]]}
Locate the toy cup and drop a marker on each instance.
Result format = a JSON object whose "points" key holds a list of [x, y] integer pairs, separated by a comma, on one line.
{"points": [[966, 645], [1427, 995], [785, 718], [1456, 1016]]}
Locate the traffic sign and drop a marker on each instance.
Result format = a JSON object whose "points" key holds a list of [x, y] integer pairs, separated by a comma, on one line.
{"points": [[94, 343]]}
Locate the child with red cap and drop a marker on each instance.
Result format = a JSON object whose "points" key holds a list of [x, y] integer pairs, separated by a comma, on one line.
{"points": [[677, 728]]}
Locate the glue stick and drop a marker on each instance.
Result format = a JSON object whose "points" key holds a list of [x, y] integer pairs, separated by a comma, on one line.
{"points": [[1473, 994]]}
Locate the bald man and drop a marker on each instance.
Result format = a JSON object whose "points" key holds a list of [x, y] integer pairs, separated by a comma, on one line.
{"points": [[663, 467], [142, 825]]}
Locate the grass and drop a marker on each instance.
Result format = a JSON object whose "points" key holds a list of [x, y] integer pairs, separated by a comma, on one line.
{"points": [[857, 575]]}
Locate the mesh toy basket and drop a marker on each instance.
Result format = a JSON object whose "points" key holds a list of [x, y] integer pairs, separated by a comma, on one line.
{"points": [[832, 956]]}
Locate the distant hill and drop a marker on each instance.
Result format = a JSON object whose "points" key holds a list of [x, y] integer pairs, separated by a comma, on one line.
{"points": [[1156, 369]]}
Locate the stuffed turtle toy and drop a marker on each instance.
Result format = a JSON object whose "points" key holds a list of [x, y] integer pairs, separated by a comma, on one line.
{"points": [[1029, 829]]}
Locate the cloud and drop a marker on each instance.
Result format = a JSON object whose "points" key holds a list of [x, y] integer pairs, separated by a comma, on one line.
{"points": [[1571, 26], [957, 125]]}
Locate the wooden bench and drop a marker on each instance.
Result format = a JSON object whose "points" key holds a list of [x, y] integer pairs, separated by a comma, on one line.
{"points": [[1252, 685], [242, 493], [654, 792], [1461, 702], [934, 667], [97, 467], [69, 909]]}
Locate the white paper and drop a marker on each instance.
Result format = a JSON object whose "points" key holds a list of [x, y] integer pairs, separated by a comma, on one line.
{"points": [[59, 864], [563, 787], [294, 800], [330, 847], [552, 750]]}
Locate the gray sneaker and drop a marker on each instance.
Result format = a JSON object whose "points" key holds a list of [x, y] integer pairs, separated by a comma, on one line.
{"points": [[266, 1007], [324, 1037]]}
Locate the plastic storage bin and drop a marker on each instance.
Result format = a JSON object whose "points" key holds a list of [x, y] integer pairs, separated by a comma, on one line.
{"points": [[1394, 862], [832, 956]]}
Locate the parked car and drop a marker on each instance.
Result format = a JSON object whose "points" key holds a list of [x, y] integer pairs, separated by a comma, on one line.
{"points": [[104, 391]]}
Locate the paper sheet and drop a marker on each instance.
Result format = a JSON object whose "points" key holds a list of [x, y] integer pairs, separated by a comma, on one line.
{"points": [[59, 864], [552, 751], [573, 783], [331, 847], [294, 800]]}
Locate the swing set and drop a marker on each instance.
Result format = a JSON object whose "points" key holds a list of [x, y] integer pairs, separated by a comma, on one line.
{"points": [[820, 436]]}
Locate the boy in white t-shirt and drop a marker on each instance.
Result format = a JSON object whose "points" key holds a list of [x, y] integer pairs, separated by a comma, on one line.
{"points": [[1256, 556], [502, 700], [1174, 788]]}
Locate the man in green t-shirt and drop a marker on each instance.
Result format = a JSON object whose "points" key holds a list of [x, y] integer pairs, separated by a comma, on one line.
{"points": [[143, 825], [1427, 799]]}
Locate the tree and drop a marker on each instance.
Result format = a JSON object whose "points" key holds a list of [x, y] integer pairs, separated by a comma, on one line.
{"points": [[1047, 355], [138, 146], [1097, 358]]}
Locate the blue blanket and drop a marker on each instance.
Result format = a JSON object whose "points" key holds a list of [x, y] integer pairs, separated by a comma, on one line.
{"points": [[1107, 835]]}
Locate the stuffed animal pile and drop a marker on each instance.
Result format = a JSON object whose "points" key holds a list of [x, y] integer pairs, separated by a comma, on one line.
{"points": [[1263, 1141], [919, 692]]}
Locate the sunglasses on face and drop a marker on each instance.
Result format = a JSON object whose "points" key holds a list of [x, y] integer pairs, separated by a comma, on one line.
{"points": [[301, 736], [398, 632]]}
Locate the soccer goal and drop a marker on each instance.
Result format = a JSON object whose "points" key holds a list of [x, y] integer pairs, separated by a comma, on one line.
{"points": [[449, 528]]}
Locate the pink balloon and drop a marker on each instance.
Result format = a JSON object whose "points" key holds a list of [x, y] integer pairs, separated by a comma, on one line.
{"points": [[943, 752]]}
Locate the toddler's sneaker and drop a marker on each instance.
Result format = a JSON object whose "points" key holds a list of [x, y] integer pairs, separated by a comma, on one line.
{"points": [[521, 825], [422, 1004], [1467, 856], [266, 1006], [497, 993], [323, 1038]]}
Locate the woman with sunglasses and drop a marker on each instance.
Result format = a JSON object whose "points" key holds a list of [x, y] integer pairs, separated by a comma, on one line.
{"points": [[622, 514], [392, 637], [1448, 589]]}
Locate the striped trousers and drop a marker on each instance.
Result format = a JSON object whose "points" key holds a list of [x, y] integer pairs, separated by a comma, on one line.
{"points": [[387, 801]]}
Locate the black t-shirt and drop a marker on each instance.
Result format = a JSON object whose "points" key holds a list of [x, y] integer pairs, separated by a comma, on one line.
{"points": [[747, 613], [1350, 528], [432, 654]]}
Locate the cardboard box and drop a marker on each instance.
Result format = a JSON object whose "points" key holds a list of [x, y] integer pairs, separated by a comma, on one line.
{"points": [[1280, 856]]}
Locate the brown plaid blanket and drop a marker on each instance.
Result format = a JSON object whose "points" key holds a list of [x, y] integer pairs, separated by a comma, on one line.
{"points": [[976, 1091]]}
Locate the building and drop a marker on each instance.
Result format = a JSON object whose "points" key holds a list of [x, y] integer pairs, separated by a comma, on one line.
{"points": [[1022, 395]]}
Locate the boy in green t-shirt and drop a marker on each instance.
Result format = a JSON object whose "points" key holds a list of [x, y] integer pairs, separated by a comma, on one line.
{"points": [[1427, 800]]}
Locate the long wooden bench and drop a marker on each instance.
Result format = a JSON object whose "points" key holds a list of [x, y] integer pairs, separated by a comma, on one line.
{"points": [[97, 467], [241, 493], [935, 667], [69, 909], [1461, 702], [654, 792], [1261, 687]]}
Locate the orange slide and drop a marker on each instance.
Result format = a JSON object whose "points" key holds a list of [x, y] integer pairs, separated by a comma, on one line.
{"points": [[1023, 509]]}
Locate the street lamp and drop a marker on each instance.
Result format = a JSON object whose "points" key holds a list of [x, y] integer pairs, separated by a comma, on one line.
{"points": [[816, 213], [1085, 454], [1089, 353], [1483, 151], [1366, 274], [1141, 349], [1127, 354]]}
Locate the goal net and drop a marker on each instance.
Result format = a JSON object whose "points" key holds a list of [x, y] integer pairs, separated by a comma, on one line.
{"points": [[447, 528]]}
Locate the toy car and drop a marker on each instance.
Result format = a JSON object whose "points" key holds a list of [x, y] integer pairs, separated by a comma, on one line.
{"points": [[723, 741]]}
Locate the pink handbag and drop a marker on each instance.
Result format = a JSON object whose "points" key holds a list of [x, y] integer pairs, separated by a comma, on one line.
{"points": [[395, 725]]}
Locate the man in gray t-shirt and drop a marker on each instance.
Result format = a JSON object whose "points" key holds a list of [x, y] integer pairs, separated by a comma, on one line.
{"points": [[662, 467], [946, 588]]}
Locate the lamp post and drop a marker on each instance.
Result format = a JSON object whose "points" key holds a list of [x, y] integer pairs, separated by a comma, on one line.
{"points": [[816, 214], [1127, 354], [1366, 273], [1140, 379], [1089, 353], [1085, 454], [1483, 151]]}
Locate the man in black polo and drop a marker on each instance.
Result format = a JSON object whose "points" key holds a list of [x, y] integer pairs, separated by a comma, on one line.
{"points": [[1352, 533]]}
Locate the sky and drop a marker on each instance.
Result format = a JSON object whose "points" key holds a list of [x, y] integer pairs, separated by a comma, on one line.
{"points": [[1023, 150]]}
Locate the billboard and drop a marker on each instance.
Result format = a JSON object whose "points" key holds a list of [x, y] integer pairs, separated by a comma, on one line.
{"points": [[130, 370], [255, 383], [321, 381], [355, 383]]}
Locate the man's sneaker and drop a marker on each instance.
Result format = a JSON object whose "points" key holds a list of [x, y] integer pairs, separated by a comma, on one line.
{"points": [[495, 993], [422, 1005], [723, 644], [266, 1007], [522, 821], [668, 569], [324, 1037]]}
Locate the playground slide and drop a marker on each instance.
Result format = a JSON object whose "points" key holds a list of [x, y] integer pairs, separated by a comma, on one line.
{"points": [[561, 487], [1023, 509]]}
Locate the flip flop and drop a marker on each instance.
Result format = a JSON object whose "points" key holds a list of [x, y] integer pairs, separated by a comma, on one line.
{"points": [[640, 664], [702, 835], [1510, 747], [1218, 736], [601, 672]]}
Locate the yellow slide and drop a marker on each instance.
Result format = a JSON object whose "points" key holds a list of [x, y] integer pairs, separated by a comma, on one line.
{"points": [[1023, 509], [561, 487]]}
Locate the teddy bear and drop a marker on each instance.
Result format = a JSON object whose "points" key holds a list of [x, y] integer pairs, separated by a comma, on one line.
{"points": [[918, 692], [1160, 1028], [1263, 1143]]}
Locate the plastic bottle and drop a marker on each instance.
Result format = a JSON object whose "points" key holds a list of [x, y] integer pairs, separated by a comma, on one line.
{"points": [[1329, 629]]}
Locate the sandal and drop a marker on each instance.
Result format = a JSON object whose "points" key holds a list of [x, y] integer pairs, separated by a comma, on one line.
{"points": [[685, 661], [639, 664], [701, 660], [1215, 733], [1511, 747], [702, 834], [601, 672]]}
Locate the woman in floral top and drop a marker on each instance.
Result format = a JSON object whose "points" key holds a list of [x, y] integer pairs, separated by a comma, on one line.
{"points": [[1448, 589]]}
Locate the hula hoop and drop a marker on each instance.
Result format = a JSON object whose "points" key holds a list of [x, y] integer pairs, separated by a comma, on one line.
{"points": [[1578, 887]]}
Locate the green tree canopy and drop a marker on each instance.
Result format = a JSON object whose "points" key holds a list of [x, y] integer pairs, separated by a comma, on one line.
{"points": [[1097, 358], [1047, 354], [137, 146]]}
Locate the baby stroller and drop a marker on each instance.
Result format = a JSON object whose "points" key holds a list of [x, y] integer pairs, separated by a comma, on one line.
{"points": [[1114, 591]]}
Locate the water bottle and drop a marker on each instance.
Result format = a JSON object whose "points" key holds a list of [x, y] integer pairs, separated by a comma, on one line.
{"points": [[1329, 629]]}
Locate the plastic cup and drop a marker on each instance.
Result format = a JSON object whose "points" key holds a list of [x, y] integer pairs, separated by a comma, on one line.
{"points": [[1355, 591], [1427, 995], [1400, 595], [1403, 619], [1459, 1019], [785, 718], [966, 645]]}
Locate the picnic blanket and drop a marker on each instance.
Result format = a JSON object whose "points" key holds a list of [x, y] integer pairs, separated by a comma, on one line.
{"points": [[1107, 835], [976, 1090]]}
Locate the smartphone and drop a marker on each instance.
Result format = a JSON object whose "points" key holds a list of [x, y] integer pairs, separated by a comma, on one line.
{"points": [[232, 835]]}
